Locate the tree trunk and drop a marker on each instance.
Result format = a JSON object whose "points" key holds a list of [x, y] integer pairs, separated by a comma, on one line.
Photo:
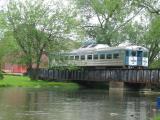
{"points": [[29, 70], [35, 71]]}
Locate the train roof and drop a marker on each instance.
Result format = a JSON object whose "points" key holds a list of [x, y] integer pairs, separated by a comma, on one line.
{"points": [[104, 47]]}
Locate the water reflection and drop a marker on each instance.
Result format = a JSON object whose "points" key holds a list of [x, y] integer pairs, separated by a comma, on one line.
{"points": [[40, 104]]}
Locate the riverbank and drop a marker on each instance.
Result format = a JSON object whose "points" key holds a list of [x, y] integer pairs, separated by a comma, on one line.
{"points": [[23, 81]]}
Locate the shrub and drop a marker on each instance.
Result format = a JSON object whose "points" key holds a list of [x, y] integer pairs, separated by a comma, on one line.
{"points": [[155, 64], [1, 75]]}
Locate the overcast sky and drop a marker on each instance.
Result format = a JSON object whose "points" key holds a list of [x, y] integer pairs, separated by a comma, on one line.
{"points": [[3, 3]]}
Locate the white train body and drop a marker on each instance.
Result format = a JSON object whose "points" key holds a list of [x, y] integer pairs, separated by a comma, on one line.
{"points": [[103, 55]]}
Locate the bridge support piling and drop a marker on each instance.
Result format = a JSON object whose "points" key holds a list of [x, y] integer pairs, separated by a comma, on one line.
{"points": [[141, 87], [120, 87], [116, 89], [114, 85]]}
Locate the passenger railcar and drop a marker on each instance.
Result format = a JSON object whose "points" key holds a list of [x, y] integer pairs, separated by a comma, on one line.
{"points": [[98, 55]]}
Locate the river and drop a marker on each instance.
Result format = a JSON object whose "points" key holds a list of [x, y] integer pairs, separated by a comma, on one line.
{"points": [[85, 104]]}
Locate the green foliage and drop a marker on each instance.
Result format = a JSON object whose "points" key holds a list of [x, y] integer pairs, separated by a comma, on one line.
{"points": [[1, 75], [72, 67], [111, 16], [21, 81], [155, 28], [106, 6], [62, 65], [155, 64], [8, 48], [151, 39], [40, 26], [33, 26], [157, 118]]}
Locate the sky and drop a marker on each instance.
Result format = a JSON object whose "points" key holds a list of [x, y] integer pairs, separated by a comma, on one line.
{"points": [[3, 3]]}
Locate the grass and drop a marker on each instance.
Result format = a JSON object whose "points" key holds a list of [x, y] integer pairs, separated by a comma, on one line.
{"points": [[22, 81], [157, 118]]}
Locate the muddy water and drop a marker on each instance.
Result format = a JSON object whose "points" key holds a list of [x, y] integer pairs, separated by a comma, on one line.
{"points": [[48, 104]]}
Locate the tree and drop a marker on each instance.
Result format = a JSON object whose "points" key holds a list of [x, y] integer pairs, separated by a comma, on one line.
{"points": [[7, 43], [38, 26], [151, 36], [152, 39], [150, 5], [111, 15]]}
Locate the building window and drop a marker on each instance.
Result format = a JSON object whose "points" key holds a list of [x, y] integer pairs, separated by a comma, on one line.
{"points": [[76, 57], [95, 57], [89, 57], [109, 56], [83, 57], [116, 55], [102, 56]]}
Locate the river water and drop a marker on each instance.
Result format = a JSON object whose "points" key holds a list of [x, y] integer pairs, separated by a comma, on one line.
{"points": [[48, 104]]}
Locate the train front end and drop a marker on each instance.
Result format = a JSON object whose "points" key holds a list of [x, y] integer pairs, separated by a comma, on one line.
{"points": [[136, 56]]}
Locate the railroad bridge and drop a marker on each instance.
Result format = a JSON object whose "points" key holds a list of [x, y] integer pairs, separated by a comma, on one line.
{"points": [[117, 78]]}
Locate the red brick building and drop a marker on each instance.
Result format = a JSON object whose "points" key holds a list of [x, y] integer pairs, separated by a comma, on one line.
{"points": [[7, 67], [13, 68]]}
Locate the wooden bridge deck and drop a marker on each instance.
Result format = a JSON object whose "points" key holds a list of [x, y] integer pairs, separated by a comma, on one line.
{"points": [[124, 75]]}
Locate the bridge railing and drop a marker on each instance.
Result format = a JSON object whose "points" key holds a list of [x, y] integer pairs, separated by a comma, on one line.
{"points": [[126, 75]]}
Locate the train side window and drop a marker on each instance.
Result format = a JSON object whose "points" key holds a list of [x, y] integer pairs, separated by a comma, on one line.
{"points": [[102, 56], [116, 55], [145, 54], [82, 57], [95, 57], [89, 57], [133, 53], [76, 57], [109, 56], [71, 57]]}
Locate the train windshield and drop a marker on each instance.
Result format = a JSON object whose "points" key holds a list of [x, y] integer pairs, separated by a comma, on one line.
{"points": [[139, 53], [133, 53]]}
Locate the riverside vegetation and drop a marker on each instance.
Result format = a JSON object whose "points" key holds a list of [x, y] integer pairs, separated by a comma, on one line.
{"points": [[1, 76], [157, 118], [23, 81]]}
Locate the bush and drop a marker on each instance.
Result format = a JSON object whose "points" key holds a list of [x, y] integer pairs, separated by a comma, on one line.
{"points": [[155, 64], [1, 75]]}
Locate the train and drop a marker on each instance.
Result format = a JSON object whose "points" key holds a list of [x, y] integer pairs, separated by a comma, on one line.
{"points": [[101, 55]]}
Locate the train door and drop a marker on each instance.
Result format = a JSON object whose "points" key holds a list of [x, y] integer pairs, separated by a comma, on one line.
{"points": [[139, 58], [131, 58], [126, 57]]}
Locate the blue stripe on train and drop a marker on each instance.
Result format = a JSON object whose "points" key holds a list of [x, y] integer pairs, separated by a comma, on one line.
{"points": [[126, 61]]}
